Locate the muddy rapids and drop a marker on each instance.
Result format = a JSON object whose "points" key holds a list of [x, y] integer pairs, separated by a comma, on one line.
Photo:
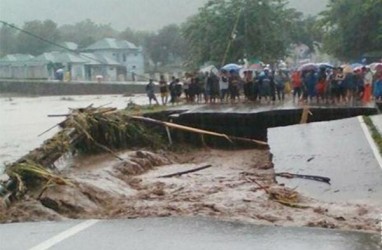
{"points": [[240, 185]]}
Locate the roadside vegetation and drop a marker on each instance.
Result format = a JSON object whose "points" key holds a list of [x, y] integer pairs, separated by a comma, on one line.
{"points": [[374, 132]]}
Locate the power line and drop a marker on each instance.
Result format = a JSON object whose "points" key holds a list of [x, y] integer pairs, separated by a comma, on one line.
{"points": [[36, 36], [49, 42]]}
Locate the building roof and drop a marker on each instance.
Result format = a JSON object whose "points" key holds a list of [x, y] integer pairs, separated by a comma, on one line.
{"points": [[97, 59], [70, 46], [16, 57], [111, 43], [60, 57]]}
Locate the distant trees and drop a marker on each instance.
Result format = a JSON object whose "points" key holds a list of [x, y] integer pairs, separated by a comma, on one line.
{"points": [[28, 44], [137, 37], [86, 32], [225, 31], [7, 40], [352, 27], [306, 31], [166, 45]]}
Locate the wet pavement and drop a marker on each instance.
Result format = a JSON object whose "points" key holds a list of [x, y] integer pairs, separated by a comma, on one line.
{"points": [[338, 150], [250, 107], [177, 233]]}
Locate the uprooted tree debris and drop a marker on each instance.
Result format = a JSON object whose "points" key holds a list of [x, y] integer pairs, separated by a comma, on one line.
{"points": [[91, 130]]}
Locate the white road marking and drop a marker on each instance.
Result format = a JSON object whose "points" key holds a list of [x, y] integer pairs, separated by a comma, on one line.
{"points": [[370, 139], [64, 235]]}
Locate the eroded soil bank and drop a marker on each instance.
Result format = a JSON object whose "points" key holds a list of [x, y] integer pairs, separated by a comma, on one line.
{"points": [[239, 185]]}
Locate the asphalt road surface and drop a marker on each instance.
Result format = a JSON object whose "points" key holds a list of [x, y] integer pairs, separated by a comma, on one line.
{"points": [[341, 150], [176, 233]]}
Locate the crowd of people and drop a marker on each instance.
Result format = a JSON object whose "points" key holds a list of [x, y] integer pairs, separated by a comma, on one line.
{"points": [[328, 85]]}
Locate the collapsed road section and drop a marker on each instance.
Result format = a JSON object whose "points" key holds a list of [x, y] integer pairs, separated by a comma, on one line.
{"points": [[140, 167]]}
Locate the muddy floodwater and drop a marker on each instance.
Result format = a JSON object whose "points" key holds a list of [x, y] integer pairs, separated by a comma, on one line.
{"points": [[23, 119], [238, 185]]}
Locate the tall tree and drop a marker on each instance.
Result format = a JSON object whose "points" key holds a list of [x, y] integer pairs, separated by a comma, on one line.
{"points": [[7, 40], [166, 45], [86, 32], [352, 28], [226, 31], [137, 37], [28, 41]]}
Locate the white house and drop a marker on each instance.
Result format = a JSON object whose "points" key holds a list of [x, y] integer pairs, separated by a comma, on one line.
{"points": [[122, 51], [114, 60]]}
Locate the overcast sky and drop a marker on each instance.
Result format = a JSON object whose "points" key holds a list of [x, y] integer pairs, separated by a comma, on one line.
{"points": [[137, 14]]}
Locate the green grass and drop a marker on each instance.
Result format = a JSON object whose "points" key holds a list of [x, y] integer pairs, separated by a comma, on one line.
{"points": [[374, 132]]}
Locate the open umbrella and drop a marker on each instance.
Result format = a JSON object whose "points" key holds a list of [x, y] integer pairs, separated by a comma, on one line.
{"points": [[346, 68], [325, 65], [210, 68], [256, 67], [376, 66], [308, 66], [232, 66], [356, 66]]}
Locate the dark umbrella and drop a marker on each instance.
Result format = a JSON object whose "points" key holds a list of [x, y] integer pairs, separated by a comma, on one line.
{"points": [[308, 66]]}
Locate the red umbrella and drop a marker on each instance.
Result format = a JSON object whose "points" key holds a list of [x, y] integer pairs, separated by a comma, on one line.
{"points": [[256, 66]]}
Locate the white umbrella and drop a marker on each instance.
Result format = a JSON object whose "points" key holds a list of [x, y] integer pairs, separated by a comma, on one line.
{"points": [[210, 68]]}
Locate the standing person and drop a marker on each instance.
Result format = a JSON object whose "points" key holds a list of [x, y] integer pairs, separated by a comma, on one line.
{"points": [[321, 85], [215, 94], [334, 86], [133, 73], [200, 82], [223, 85], [248, 82], [59, 74], [359, 84], [150, 91], [378, 89], [233, 86], [351, 86], [280, 85], [192, 89], [186, 86], [296, 85], [173, 91], [163, 87], [340, 77], [178, 89], [208, 81], [311, 82], [267, 86], [255, 91], [367, 81]]}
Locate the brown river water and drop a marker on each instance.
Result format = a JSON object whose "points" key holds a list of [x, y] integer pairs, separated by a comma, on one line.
{"points": [[23, 119]]}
